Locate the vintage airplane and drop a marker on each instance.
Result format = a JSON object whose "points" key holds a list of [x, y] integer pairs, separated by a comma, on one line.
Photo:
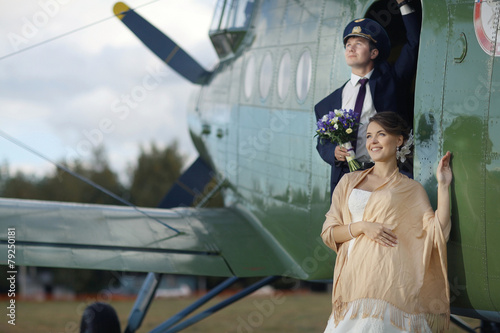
{"points": [[253, 125]]}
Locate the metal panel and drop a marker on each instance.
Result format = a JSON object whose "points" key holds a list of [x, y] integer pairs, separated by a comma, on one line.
{"points": [[452, 114], [491, 149]]}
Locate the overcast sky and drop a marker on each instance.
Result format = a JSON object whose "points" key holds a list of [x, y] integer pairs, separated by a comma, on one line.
{"points": [[67, 95]]}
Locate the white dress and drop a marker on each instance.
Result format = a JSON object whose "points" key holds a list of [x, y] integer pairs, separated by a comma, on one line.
{"points": [[357, 203]]}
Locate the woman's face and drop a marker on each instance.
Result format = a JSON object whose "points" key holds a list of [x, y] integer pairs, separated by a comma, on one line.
{"points": [[381, 145]]}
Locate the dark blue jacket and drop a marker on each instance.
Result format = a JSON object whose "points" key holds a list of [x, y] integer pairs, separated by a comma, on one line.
{"points": [[389, 86]]}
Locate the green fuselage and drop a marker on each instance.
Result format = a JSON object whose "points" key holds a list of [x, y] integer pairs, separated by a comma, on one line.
{"points": [[254, 122]]}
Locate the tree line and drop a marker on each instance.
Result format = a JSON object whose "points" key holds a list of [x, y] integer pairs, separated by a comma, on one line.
{"points": [[148, 180], [155, 171]]}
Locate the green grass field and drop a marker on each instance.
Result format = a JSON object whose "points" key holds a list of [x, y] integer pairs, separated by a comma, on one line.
{"points": [[280, 313]]}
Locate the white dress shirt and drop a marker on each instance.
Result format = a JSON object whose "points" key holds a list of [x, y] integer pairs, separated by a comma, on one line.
{"points": [[349, 94]]}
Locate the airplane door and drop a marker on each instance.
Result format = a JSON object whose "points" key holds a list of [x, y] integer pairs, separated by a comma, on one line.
{"points": [[460, 113], [486, 26]]}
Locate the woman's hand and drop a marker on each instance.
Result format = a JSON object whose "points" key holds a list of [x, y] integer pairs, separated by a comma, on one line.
{"points": [[444, 177], [444, 174], [380, 234]]}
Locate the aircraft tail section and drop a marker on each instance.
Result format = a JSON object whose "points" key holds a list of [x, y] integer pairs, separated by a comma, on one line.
{"points": [[189, 186], [211, 242]]}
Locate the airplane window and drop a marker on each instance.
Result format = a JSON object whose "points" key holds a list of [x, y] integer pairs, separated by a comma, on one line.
{"points": [[225, 15], [284, 75], [240, 14], [217, 15], [229, 24], [232, 14], [266, 76], [304, 72], [249, 76], [221, 44]]}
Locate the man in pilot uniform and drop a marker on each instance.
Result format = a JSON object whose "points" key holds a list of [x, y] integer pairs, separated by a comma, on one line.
{"points": [[375, 85]]}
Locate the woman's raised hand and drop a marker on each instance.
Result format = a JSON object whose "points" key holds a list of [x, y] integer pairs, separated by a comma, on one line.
{"points": [[444, 174]]}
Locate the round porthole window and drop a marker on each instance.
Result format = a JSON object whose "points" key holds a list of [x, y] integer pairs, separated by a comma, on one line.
{"points": [[304, 73], [249, 76], [284, 75], [266, 76]]}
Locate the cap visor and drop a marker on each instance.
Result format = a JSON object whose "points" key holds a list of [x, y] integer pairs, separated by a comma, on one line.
{"points": [[359, 35]]}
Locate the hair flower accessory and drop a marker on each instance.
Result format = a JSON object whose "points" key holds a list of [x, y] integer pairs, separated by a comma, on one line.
{"points": [[405, 149], [338, 126]]}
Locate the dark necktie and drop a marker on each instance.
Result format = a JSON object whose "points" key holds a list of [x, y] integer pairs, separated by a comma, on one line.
{"points": [[358, 107]]}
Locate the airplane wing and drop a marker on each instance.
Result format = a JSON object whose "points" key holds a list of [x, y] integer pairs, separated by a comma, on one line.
{"points": [[212, 242]]}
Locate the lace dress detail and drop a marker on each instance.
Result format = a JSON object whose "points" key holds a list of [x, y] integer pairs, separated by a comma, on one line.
{"points": [[365, 320], [357, 203]]}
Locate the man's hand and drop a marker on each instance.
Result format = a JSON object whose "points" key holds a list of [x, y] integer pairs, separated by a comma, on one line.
{"points": [[341, 153]]}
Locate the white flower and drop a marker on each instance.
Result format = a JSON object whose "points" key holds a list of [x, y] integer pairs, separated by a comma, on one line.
{"points": [[336, 126], [405, 149], [349, 130], [325, 118], [338, 113]]}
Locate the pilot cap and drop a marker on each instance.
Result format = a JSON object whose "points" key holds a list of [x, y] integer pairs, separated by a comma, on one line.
{"points": [[371, 30]]}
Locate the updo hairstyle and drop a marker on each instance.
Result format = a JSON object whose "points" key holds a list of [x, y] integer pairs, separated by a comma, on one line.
{"points": [[392, 123]]}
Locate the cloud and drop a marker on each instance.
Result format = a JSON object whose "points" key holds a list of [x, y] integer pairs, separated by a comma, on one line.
{"points": [[57, 95]]}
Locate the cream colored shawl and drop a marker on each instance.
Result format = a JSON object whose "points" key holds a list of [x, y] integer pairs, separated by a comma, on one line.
{"points": [[411, 277]]}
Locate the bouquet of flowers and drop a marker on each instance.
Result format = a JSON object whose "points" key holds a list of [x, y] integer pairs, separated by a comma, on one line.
{"points": [[338, 127]]}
